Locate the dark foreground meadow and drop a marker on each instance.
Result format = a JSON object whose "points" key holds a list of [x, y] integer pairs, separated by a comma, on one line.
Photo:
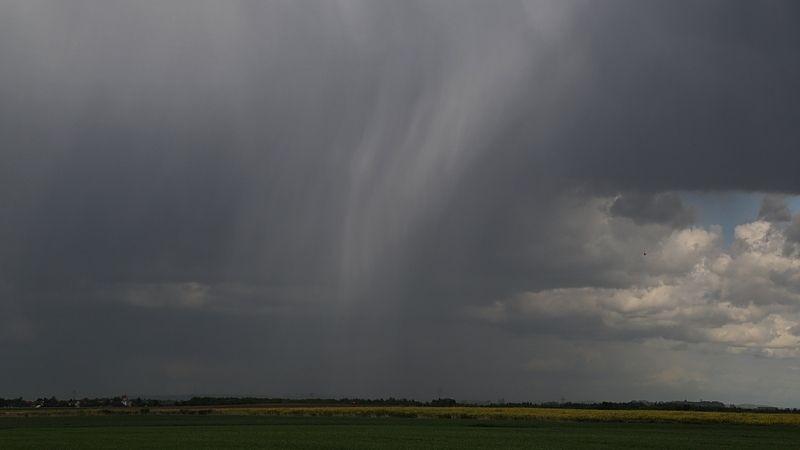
{"points": [[363, 432]]}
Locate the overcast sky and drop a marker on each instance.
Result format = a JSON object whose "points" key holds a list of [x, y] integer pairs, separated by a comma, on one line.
{"points": [[409, 199]]}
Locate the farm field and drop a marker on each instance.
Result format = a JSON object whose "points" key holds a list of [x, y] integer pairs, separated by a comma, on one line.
{"points": [[460, 412], [238, 429]]}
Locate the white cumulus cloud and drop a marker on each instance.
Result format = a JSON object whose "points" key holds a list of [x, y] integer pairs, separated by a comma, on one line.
{"points": [[693, 288]]}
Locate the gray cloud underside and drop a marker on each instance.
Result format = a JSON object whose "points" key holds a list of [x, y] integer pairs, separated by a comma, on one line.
{"points": [[199, 192]]}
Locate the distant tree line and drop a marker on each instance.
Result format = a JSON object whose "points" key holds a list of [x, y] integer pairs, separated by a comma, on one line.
{"points": [[391, 401], [713, 406], [53, 402]]}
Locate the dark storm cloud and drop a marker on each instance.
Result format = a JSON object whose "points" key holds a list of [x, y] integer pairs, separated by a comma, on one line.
{"points": [[696, 97], [329, 184], [774, 209], [663, 208]]}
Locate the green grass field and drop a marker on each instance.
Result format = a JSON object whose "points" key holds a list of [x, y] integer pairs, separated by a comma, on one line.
{"points": [[249, 431]]}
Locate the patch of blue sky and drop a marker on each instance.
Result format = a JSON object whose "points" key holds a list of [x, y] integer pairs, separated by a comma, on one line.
{"points": [[729, 209]]}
